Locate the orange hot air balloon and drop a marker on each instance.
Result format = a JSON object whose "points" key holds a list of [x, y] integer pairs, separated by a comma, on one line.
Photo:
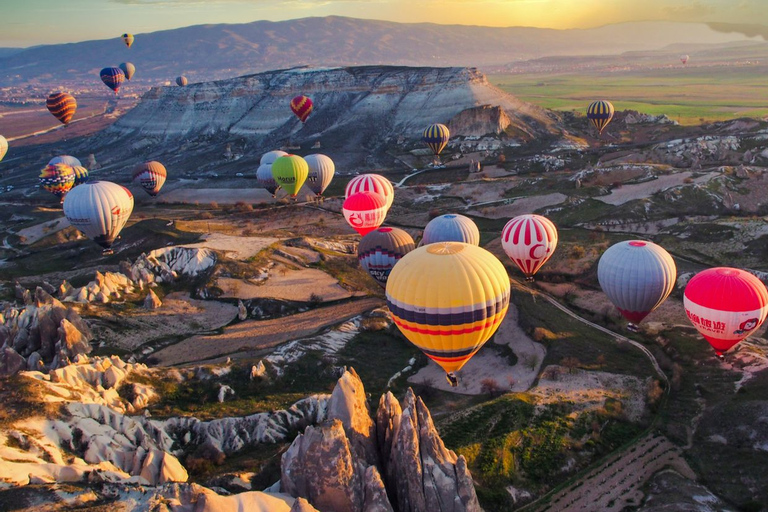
{"points": [[302, 107], [365, 211], [62, 106]]}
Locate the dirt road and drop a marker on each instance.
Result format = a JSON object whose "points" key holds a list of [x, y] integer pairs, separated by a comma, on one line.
{"points": [[261, 334]]}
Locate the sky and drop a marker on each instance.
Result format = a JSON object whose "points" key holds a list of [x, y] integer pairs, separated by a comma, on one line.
{"points": [[31, 22]]}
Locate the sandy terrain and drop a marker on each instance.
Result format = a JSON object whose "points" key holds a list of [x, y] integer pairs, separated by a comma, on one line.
{"points": [[257, 335], [235, 247], [628, 193], [296, 285], [34, 233], [487, 364], [519, 206]]}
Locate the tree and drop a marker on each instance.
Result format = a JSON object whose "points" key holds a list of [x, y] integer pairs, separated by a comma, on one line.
{"points": [[600, 361], [571, 363], [490, 387]]}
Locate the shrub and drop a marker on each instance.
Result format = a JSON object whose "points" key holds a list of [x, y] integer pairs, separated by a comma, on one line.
{"points": [[577, 252]]}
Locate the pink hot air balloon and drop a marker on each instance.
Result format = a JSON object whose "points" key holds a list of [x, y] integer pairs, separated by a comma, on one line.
{"points": [[529, 240], [725, 305], [364, 211], [371, 183]]}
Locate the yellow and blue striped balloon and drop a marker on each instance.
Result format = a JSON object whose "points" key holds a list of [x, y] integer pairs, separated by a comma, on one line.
{"points": [[448, 298], [436, 137], [600, 113]]}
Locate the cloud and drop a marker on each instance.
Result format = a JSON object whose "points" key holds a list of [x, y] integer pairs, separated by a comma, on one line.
{"points": [[687, 12]]}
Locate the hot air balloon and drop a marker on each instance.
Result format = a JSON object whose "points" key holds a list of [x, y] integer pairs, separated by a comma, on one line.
{"points": [[151, 176], [451, 227], [372, 183], [436, 137], [3, 147], [128, 39], [270, 156], [364, 211], [112, 78], [57, 179], [99, 209], [290, 172], [529, 240], [725, 305], [321, 171], [81, 175], [128, 69], [379, 250], [600, 113], [181, 81], [446, 317], [684, 59], [62, 106], [65, 159], [637, 276], [302, 107], [265, 179]]}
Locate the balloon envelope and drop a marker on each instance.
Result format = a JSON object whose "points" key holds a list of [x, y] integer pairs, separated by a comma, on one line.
{"points": [[99, 209], [321, 171], [684, 59], [65, 159], [265, 179], [449, 319], [529, 240], [600, 113], [451, 227], [81, 175], [380, 250], [57, 179], [181, 81], [270, 157], [302, 107], [372, 183], [128, 39], [364, 211], [637, 276], [725, 305], [128, 69], [3, 147], [151, 176], [290, 172], [62, 106], [112, 78], [436, 137]]}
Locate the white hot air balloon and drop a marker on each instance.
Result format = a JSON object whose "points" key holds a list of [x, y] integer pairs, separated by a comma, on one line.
{"points": [[269, 157], [321, 171], [99, 209]]}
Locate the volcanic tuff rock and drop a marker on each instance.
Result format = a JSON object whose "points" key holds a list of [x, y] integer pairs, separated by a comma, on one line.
{"points": [[369, 103]]}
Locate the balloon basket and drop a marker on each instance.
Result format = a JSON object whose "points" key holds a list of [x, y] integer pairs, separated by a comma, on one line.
{"points": [[107, 252], [452, 379], [528, 279], [720, 356], [632, 327]]}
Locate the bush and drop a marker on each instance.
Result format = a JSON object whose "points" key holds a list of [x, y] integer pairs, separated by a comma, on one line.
{"points": [[577, 252], [490, 387], [243, 207]]}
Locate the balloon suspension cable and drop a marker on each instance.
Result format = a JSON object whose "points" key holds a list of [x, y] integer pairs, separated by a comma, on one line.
{"points": [[632, 327], [452, 379]]}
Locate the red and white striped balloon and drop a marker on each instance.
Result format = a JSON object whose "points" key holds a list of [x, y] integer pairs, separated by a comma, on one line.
{"points": [[529, 240], [372, 183], [725, 305]]}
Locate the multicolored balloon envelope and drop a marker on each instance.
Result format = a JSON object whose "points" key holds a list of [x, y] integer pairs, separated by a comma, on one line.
{"points": [[128, 69], [436, 137], [380, 250], [302, 107], [181, 81], [725, 305], [290, 172], [99, 209], [128, 39], [65, 159], [58, 179], [448, 319], [151, 176], [321, 171], [81, 175], [451, 227], [372, 183], [3, 147], [637, 276], [529, 240], [600, 113], [364, 211], [112, 77], [62, 106]]}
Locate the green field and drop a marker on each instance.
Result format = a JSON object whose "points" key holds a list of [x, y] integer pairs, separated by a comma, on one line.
{"points": [[687, 95]]}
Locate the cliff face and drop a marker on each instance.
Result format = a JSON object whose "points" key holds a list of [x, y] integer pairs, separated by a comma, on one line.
{"points": [[372, 101]]}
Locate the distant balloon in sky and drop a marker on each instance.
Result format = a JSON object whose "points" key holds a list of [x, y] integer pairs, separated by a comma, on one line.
{"points": [[128, 69], [321, 171], [81, 175], [62, 106], [57, 179], [364, 211], [725, 305], [112, 77], [182, 81], [3, 147], [151, 176], [99, 209], [684, 59], [128, 39], [65, 159], [372, 183], [381, 249], [600, 113], [302, 107], [451, 227], [637, 276], [529, 240], [436, 137], [290, 172]]}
